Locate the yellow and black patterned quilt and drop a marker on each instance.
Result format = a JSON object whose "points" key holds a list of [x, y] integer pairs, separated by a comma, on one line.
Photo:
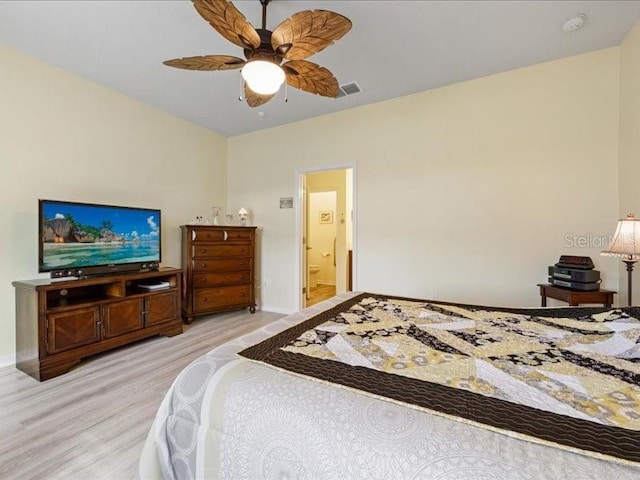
{"points": [[565, 376]]}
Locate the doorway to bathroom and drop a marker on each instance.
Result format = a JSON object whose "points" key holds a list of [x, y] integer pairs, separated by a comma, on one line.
{"points": [[326, 224], [321, 242]]}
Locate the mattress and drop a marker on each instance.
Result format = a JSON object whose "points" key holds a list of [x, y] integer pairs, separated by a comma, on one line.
{"points": [[227, 417]]}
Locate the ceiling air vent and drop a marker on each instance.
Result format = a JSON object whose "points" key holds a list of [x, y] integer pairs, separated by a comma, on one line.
{"points": [[349, 89]]}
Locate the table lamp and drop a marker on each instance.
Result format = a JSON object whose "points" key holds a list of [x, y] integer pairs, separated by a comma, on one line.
{"points": [[626, 244], [243, 216]]}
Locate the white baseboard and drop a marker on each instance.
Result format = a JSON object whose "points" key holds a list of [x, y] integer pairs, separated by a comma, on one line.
{"points": [[7, 360], [274, 309]]}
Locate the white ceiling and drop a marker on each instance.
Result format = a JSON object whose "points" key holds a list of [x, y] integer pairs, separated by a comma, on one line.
{"points": [[395, 48]]}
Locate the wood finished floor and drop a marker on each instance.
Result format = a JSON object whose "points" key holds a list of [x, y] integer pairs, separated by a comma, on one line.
{"points": [[91, 423], [320, 292]]}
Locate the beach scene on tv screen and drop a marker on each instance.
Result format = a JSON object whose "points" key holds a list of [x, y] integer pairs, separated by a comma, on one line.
{"points": [[84, 235]]}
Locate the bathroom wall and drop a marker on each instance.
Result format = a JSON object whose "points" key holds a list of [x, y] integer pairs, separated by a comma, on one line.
{"points": [[334, 181], [322, 235]]}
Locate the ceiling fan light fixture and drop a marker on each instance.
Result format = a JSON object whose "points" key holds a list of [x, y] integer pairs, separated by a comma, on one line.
{"points": [[303, 34], [263, 77]]}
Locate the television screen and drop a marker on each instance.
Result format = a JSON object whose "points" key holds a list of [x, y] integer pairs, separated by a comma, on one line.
{"points": [[82, 236]]}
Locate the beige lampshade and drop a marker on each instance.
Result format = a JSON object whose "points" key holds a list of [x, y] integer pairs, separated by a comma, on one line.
{"points": [[626, 240]]}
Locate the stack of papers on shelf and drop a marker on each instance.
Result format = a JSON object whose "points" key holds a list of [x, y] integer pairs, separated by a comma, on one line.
{"points": [[154, 286]]}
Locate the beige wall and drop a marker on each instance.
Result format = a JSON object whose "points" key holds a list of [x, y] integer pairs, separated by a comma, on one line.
{"points": [[62, 137], [629, 143], [322, 236], [464, 193]]}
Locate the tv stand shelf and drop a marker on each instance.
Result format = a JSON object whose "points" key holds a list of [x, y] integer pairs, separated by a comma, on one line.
{"points": [[59, 322]]}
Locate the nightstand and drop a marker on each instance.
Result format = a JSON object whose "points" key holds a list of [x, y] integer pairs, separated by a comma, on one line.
{"points": [[575, 297]]}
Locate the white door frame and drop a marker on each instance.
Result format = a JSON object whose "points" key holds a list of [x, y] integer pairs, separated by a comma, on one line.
{"points": [[298, 200]]}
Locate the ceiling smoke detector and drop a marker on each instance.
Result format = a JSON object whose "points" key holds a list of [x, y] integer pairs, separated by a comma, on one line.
{"points": [[576, 22]]}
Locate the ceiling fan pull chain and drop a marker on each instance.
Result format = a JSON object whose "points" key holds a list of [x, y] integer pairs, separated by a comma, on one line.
{"points": [[241, 88], [286, 92]]}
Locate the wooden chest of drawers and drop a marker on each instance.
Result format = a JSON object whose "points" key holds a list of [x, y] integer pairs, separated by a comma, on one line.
{"points": [[219, 269]]}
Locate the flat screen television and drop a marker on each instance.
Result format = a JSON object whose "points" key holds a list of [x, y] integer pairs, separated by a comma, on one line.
{"points": [[83, 239]]}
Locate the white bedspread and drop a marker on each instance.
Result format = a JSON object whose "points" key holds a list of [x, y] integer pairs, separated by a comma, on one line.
{"points": [[228, 418]]}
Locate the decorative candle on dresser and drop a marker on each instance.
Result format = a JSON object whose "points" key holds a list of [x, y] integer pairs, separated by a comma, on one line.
{"points": [[218, 262]]}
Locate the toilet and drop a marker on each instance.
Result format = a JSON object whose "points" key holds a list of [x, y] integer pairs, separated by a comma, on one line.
{"points": [[313, 275]]}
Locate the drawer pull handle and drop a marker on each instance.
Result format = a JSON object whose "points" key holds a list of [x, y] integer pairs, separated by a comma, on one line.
{"points": [[242, 294], [204, 250], [204, 299], [204, 265], [203, 279]]}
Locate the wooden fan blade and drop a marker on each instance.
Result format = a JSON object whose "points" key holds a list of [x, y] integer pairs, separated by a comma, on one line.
{"points": [[311, 78], [207, 62], [255, 99], [308, 32], [228, 22]]}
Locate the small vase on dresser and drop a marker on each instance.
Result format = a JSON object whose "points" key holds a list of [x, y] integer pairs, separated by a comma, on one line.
{"points": [[218, 262]]}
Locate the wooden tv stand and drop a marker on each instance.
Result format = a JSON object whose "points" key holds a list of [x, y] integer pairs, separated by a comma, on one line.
{"points": [[59, 322]]}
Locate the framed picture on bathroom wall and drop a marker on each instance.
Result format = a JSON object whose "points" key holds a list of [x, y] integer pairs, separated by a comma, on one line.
{"points": [[326, 217]]}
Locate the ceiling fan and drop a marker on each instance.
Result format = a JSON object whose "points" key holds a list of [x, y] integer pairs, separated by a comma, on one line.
{"points": [[296, 38]]}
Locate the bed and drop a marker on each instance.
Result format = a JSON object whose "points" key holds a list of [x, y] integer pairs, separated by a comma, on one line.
{"points": [[367, 386]]}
